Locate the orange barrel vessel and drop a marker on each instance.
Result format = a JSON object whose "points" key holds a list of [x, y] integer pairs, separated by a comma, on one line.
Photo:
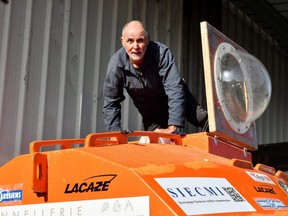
{"points": [[196, 174]]}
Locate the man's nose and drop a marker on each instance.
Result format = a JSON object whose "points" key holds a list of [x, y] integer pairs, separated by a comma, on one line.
{"points": [[135, 44]]}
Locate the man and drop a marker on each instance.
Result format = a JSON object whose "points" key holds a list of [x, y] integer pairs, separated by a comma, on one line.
{"points": [[148, 72]]}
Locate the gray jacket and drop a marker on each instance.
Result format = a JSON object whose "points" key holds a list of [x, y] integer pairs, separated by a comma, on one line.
{"points": [[156, 89]]}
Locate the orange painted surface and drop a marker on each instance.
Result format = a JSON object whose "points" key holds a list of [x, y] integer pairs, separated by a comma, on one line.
{"points": [[188, 176]]}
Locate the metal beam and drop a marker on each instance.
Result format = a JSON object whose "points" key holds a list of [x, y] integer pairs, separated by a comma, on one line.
{"points": [[269, 16]]}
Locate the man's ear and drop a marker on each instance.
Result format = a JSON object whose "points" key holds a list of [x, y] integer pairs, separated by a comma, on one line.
{"points": [[122, 41]]}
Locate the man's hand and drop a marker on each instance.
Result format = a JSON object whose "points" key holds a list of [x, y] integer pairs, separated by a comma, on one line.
{"points": [[113, 139], [170, 129]]}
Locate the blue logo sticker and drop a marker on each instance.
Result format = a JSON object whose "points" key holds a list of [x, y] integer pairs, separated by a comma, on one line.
{"points": [[271, 203], [10, 195]]}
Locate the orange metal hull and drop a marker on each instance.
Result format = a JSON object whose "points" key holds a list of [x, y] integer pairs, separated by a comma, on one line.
{"points": [[197, 175]]}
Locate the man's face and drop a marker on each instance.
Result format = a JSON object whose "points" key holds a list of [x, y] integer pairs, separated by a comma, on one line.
{"points": [[135, 42]]}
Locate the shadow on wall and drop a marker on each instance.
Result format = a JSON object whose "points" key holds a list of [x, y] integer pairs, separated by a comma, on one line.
{"points": [[5, 1]]}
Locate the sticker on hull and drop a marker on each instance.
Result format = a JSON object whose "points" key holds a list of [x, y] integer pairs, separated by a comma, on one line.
{"points": [[204, 195], [268, 203], [259, 177], [11, 194], [129, 206]]}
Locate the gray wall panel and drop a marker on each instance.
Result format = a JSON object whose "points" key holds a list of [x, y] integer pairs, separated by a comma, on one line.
{"points": [[53, 60]]}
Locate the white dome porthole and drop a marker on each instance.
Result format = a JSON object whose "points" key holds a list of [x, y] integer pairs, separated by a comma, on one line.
{"points": [[243, 86]]}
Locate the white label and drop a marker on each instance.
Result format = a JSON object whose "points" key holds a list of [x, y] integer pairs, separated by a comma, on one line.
{"points": [[259, 177], [204, 195], [130, 206]]}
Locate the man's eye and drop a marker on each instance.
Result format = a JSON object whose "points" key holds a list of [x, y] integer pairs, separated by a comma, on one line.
{"points": [[130, 41]]}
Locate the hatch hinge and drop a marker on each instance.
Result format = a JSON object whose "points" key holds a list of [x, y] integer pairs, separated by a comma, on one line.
{"points": [[40, 173]]}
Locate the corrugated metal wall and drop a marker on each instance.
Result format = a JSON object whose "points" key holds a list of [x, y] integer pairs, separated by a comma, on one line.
{"points": [[272, 127], [53, 58], [54, 53]]}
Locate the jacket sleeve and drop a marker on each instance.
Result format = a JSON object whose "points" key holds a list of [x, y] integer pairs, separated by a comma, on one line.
{"points": [[173, 87], [113, 96]]}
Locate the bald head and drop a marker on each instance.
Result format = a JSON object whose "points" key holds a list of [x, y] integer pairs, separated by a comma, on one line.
{"points": [[135, 24]]}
